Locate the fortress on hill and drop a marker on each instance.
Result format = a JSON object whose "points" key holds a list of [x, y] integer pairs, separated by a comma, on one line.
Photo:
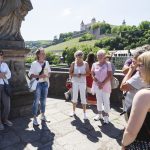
{"points": [[87, 28]]}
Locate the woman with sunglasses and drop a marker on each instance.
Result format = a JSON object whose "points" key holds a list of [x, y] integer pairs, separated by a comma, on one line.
{"points": [[137, 133], [79, 69], [5, 74]]}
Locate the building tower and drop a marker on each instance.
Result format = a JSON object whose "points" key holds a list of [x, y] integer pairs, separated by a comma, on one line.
{"points": [[124, 22], [93, 21], [82, 26]]}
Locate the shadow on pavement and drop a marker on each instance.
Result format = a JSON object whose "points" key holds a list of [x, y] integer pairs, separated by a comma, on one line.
{"points": [[87, 129], [111, 131], [24, 135]]}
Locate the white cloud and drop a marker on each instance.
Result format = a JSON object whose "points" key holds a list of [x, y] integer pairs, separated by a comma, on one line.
{"points": [[66, 12]]}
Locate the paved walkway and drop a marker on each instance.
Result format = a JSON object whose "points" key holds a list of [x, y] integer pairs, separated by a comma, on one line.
{"points": [[63, 132]]}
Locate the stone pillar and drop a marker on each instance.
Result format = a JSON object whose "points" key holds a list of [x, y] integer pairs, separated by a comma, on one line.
{"points": [[22, 99]]}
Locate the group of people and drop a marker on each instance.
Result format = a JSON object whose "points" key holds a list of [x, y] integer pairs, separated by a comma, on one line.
{"points": [[135, 86], [100, 74]]}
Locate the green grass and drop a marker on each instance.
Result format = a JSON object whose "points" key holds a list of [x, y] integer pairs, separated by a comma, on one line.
{"points": [[69, 44]]}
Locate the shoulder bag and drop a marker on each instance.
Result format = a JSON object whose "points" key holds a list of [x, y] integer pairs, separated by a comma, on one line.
{"points": [[33, 82]]}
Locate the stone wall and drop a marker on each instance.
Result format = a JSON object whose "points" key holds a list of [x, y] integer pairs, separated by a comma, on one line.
{"points": [[58, 80], [21, 103]]}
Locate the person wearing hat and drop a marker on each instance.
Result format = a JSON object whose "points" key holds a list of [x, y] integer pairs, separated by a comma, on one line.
{"points": [[5, 74], [79, 69]]}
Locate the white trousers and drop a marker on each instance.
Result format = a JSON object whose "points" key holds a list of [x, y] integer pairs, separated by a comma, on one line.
{"points": [[76, 88], [102, 100]]}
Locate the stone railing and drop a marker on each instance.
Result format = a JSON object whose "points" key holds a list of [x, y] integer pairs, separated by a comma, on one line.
{"points": [[58, 80], [21, 104]]}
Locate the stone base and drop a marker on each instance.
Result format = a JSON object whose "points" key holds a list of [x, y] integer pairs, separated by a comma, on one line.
{"points": [[21, 104], [12, 44], [22, 99]]}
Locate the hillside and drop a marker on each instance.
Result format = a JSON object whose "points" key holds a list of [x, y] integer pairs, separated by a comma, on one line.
{"points": [[33, 45], [70, 43]]}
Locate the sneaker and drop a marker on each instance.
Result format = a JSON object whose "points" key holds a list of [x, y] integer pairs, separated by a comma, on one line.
{"points": [[85, 116], [72, 114], [8, 123], [35, 122], [106, 119], [98, 117], [1, 126], [43, 118], [66, 95]]}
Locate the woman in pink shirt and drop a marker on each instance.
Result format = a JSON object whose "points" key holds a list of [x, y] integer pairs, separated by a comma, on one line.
{"points": [[102, 74]]}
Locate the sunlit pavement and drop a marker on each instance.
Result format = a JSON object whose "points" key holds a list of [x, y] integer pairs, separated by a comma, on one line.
{"points": [[64, 132]]}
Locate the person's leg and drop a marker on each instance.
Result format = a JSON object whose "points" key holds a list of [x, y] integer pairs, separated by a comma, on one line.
{"points": [[1, 125], [106, 101], [82, 89], [44, 93], [74, 97], [99, 103], [37, 95]]}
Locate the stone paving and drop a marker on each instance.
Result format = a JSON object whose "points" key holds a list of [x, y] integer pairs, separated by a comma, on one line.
{"points": [[64, 132]]}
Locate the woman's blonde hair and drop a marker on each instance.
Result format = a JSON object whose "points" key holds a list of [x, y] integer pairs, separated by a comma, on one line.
{"points": [[101, 51], [144, 59], [77, 53], [38, 52]]}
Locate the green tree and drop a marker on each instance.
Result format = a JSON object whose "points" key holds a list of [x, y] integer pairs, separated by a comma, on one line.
{"points": [[144, 25]]}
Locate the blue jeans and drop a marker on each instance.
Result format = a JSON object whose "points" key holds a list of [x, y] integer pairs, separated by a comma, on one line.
{"points": [[40, 94]]}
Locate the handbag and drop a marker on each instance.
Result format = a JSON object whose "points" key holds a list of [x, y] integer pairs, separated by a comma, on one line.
{"points": [[7, 88], [33, 82], [68, 84], [114, 83], [32, 85]]}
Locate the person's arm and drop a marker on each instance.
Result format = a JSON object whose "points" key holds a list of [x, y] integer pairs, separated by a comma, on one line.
{"points": [[71, 70], [109, 74], [87, 70], [93, 73], [124, 85], [7, 74], [140, 107], [125, 69], [32, 72], [126, 66]]}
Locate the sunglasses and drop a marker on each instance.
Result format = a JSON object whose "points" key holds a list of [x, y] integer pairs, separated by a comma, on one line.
{"points": [[140, 65], [80, 55]]}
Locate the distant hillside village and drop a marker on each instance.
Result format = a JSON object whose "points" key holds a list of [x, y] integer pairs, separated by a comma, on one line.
{"points": [[118, 40], [94, 28], [97, 32]]}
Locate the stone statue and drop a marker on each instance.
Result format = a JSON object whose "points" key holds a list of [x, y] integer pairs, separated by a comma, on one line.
{"points": [[12, 13]]}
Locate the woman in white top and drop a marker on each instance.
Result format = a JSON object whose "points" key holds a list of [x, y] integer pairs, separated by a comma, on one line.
{"points": [[79, 69], [41, 91], [5, 74]]}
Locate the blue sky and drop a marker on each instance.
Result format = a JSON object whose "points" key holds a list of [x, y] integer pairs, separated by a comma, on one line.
{"points": [[52, 17]]}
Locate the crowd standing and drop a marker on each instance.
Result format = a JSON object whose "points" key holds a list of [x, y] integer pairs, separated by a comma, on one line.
{"points": [[94, 77]]}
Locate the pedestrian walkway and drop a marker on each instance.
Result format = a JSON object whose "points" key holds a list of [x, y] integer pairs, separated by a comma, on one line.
{"points": [[64, 132]]}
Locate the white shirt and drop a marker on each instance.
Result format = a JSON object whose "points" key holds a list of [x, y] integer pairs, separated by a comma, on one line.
{"points": [[36, 68], [137, 83], [79, 70], [5, 69]]}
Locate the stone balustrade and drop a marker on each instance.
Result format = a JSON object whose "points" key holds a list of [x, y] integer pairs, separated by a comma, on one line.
{"points": [[22, 105]]}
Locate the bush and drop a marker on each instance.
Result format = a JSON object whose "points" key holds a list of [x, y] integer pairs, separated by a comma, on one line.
{"points": [[86, 37], [29, 59]]}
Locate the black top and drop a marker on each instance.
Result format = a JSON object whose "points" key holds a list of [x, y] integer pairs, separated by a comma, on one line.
{"points": [[144, 133]]}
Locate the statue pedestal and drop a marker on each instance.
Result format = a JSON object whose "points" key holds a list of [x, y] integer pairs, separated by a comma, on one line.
{"points": [[21, 101]]}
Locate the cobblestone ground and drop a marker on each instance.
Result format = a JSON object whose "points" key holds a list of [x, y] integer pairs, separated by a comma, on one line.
{"points": [[64, 132]]}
